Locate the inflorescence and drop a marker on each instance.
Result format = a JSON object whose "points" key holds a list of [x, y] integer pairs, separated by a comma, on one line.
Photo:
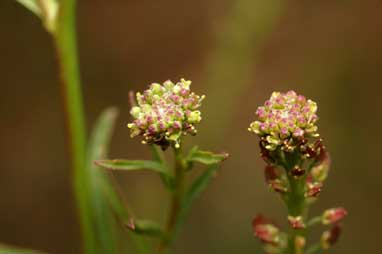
{"points": [[165, 113], [285, 119], [297, 166]]}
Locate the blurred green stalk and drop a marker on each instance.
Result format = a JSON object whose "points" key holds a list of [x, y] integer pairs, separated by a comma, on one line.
{"points": [[66, 46], [231, 65], [176, 201]]}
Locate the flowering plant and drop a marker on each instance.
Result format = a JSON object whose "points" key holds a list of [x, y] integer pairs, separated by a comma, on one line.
{"points": [[297, 166], [165, 113], [162, 115]]}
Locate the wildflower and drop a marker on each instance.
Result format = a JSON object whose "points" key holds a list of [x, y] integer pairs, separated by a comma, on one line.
{"points": [[334, 215], [165, 113], [285, 120]]}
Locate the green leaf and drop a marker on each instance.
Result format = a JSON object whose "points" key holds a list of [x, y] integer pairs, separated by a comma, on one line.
{"points": [[7, 249], [204, 157], [197, 187], [105, 200], [31, 5], [132, 165], [46, 10], [145, 227], [102, 217]]}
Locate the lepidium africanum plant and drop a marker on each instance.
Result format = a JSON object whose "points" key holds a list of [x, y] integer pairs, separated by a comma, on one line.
{"points": [[297, 166], [162, 116], [297, 162]]}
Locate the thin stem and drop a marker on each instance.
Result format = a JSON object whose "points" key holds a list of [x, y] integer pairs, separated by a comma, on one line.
{"points": [[314, 221], [176, 201], [66, 47]]}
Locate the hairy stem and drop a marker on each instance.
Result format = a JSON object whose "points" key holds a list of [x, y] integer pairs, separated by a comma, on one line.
{"points": [[176, 201]]}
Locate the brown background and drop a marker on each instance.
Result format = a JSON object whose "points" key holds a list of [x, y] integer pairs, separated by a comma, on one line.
{"points": [[237, 53]]}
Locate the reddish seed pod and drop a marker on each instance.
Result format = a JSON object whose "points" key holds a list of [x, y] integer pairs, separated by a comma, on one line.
{"points": [[330, 237], [297, 171]]}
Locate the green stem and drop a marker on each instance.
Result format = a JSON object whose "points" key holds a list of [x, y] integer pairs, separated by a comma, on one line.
{"points": [[314, 221], [66, 46], [176, 202], [297, 206]]}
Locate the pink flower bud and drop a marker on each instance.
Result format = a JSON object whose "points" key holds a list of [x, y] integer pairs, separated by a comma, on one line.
{"points": [[313, 190], [334, 215], [265, 231]]}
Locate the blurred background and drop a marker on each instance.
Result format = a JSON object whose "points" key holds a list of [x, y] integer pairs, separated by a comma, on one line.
{"points": [[236, 52]]}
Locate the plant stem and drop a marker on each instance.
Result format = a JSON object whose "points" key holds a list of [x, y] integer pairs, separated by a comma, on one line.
{"points": [[176, 202], [66, 46], [296, 207]]}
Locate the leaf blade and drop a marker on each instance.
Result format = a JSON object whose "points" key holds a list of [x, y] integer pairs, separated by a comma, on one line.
{"points": [[205, 157], [132, 165], [31, 5], [146, 227], [103, 221], [198, 186], [8, 249]]}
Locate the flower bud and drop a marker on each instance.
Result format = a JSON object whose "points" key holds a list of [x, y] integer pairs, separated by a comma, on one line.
{"points": [[296, 222], [273, 179], [330, 237], [334, 215], [313, 190], [270, 173], [297, 172], [265, 231], [265, 153], [319, 173]]}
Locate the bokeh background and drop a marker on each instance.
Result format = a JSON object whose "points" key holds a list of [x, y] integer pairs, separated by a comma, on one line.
{"points": [[236, 52]]}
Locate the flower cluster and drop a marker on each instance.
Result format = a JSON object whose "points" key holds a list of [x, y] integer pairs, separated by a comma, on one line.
{"points": [[166, 112], [285, 118], [297, 167]]}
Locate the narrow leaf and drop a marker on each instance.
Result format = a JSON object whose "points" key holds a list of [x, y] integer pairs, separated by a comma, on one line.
{"points": [[102, 217], [145, 227], [193, 193], [105, 200], [7, 249], [132, 165], [46, 10], [31, 5], [204, 157]]}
